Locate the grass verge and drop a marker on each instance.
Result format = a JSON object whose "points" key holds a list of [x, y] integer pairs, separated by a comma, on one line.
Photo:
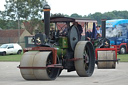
{"points": [[123, 58], [10, 58]]}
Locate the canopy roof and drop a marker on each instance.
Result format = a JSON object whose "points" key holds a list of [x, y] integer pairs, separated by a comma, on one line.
{"points": [[68, 19]]}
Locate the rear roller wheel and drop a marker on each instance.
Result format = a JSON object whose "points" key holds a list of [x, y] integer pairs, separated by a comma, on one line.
{"points": [[38, 59], [106, 55], [85, 66]]}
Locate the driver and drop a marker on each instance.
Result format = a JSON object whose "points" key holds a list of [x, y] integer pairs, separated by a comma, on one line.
{"points": [[64, 31]]}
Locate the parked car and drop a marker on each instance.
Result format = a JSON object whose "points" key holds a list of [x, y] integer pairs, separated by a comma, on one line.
{"points": [[11, 48]]}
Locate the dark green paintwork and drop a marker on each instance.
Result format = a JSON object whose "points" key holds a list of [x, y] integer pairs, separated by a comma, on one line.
{"points": [[63, 42], [62, 47], [60, 51]]}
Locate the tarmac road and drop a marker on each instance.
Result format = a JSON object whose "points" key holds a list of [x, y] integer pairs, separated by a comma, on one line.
{"points": [[10, 75]]}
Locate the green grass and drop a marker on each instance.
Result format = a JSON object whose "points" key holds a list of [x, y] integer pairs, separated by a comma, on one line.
{"points": [[10, 57], [123, 58]]}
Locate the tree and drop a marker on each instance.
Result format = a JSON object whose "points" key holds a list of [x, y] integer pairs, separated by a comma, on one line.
{"points": [[2, 24], [108, 15], [10, 24], [75, 15], [121, 14], [97, 16], [85, 16], [24, 9], [66, 15], [3, 15], [28, 10], [57, 15]]}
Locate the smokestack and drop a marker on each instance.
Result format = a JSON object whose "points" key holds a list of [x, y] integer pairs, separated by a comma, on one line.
{"points": [[46, 10], [103, 28]]}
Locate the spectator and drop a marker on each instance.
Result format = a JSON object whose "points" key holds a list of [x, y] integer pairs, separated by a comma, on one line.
{"points": [[98, 31], [88, 35]]}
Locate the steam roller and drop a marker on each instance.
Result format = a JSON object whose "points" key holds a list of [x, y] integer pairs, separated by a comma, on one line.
{"points": [[53, 53], [106, 55]]}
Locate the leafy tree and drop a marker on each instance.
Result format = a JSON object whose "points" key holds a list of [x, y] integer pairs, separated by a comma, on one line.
{"points": [[24, 9], [28, 10], [66, 15], [75, 15], [57, 15], [121, 14], [10, 24], [97, 16], [2, 24], [85, 16], [108, 15], [2, 20], [2, 15]]}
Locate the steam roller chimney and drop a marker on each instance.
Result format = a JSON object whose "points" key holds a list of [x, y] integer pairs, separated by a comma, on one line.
{"points": [[46, 10], [103, 28]]}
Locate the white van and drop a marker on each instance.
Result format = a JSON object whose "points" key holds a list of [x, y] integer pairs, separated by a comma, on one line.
{"points": [[11, 48]]}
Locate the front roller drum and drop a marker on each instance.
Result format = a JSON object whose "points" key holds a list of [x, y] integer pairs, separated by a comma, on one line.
{"points": [[38, 59], [106, 60], [84, 51]]}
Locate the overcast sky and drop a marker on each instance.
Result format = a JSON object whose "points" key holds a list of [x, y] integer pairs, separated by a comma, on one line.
{"points": [[2, 3], [83, 7]]}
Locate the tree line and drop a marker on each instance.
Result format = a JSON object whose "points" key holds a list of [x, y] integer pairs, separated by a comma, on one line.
{"points": [[98, 15]]}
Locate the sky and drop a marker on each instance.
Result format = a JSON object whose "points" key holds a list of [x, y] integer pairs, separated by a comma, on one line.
{"points": [[83, 7], [2, 3]]}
